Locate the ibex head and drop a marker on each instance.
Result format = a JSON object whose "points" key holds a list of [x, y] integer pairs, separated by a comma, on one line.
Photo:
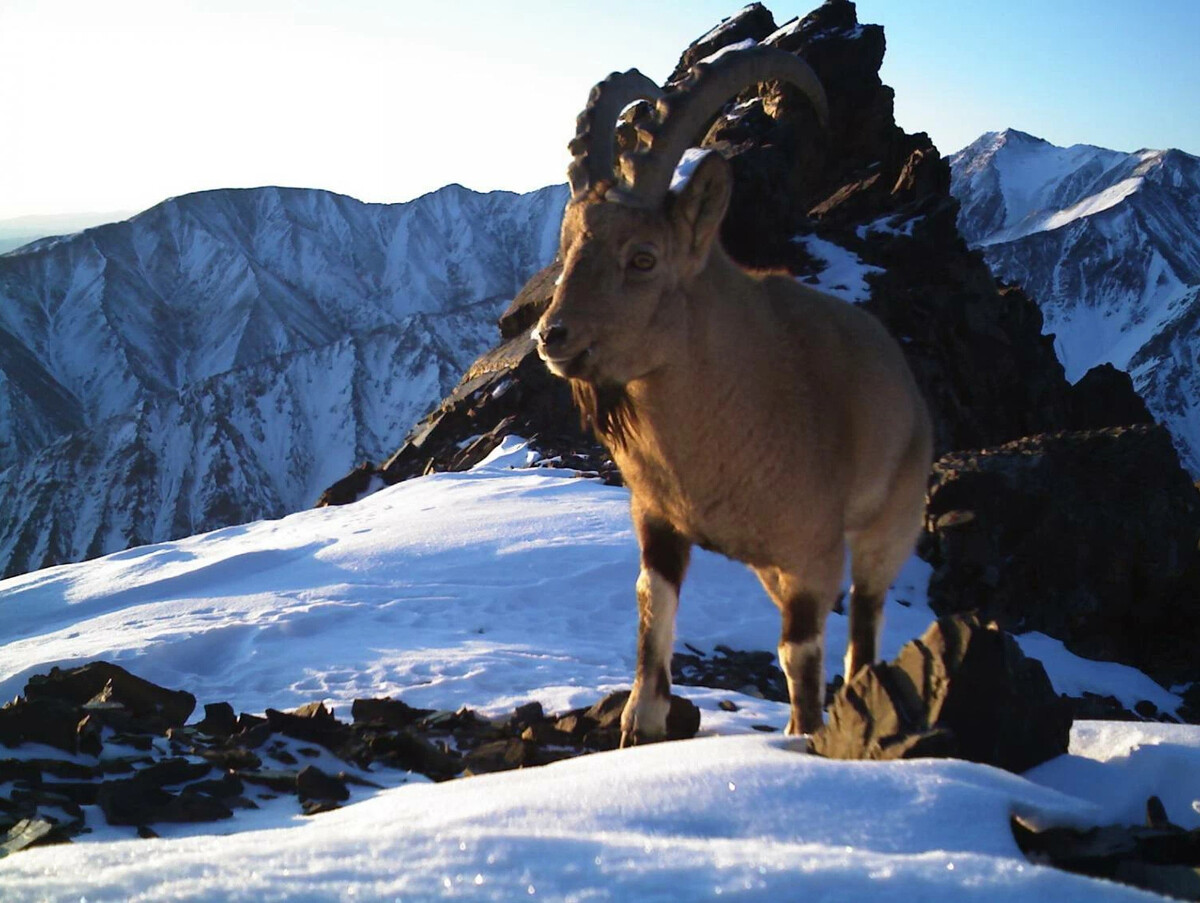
{"points": [[631, 247]]}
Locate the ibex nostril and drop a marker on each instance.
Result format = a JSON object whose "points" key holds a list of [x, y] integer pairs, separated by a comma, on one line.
{"points": [[554, 334]]}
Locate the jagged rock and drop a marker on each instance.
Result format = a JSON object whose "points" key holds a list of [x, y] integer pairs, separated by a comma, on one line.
{"points": [[1088, 537], [219, 720], [314, 784], [313, 723], [1159, 857], [752, 22], [139, 802], [51, 721], [392, 713], [963, 689], [351, 487], [141, 697]]}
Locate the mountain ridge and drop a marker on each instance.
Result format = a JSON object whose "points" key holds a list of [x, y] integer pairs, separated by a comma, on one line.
{"points": [[1106, 242], [283, 333]]}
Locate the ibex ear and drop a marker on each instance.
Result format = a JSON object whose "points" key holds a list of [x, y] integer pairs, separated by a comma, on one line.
{"points": [[698, 209]]}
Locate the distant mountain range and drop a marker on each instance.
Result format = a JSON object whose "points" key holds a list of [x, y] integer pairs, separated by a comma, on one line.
{"points": [[224, 356], [19, 231], [1108, 243]]}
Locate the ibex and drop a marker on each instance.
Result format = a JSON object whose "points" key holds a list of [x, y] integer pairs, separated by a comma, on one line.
{"points": [[749, 414]]}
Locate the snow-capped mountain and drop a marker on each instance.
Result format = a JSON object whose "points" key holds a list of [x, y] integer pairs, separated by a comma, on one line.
{"points": [[225, 355], [1108, 243]]}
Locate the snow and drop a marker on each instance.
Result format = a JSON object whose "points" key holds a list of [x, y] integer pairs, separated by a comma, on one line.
{"points": [[729, 48], [844, 275], [686, 166], [505, 584]]}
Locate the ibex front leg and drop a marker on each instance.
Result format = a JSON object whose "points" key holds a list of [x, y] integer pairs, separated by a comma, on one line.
{"points": [[664, 560]]}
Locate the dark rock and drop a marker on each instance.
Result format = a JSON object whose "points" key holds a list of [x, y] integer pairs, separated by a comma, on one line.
{"points": [[54, 722], [962, 689], [390, 712], [752, 22], [228, 785], [313, 724], [729, 669], [141, 697], [167, 772], [1159, 857], [278, 780], [138, 802], [502, 755], [314, 784], [1105, 397], [219, 720], [1094, 707], [528, 715], [406, 750], [351, 487], [1089, 537]]}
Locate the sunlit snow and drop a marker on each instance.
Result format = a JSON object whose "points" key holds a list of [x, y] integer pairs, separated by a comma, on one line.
{"points": [[495, 587]]}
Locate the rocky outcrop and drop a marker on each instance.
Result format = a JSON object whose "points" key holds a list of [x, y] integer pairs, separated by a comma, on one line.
{"points": [[129, 752], [865, 192], [1090, 537], [963, 689]]}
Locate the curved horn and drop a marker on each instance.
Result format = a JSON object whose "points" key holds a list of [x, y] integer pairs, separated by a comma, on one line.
{"points": [[592, 146], [682, 112]]}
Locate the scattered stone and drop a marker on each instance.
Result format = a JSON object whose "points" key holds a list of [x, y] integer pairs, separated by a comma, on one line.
{"points": [[136, 802], [390, 712], [26, 833], [312, 723], [963, 689], [1159, 857], [219, 720], [314, 784], [142, 698], [750, 673]]}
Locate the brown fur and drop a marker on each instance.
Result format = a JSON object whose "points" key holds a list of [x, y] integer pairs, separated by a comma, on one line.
{"points": [[755, 416]]}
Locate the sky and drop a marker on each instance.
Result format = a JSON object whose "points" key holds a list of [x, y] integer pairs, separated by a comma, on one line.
{"points": [[118, 105]]}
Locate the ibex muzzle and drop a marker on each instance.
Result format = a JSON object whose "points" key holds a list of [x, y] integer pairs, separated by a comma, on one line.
{"points": [[748, 414]]}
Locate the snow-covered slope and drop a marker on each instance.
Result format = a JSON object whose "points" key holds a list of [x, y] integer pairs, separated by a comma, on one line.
{"points": [[226, 355], [494, 587], [1108, 243]]}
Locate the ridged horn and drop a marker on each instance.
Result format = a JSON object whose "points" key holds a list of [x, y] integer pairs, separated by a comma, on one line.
{"points": [[592, 147], [684, 110]]}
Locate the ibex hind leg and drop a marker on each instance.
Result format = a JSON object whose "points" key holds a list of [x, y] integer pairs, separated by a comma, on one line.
{"points": [[876, 555], [664, 560], [804, 606]]}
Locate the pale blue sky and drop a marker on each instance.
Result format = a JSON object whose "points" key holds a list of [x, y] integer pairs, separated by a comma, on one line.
{"points": [[118, 104]]}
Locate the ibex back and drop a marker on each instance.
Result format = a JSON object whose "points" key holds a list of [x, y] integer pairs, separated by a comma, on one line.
{"points": [[749, 414]]}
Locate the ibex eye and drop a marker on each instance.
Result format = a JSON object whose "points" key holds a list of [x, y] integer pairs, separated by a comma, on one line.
{"points": [[643, 260]]}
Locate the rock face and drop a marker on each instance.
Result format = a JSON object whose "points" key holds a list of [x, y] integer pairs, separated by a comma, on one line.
{"points": [[961, 690], [1089, 537]]}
